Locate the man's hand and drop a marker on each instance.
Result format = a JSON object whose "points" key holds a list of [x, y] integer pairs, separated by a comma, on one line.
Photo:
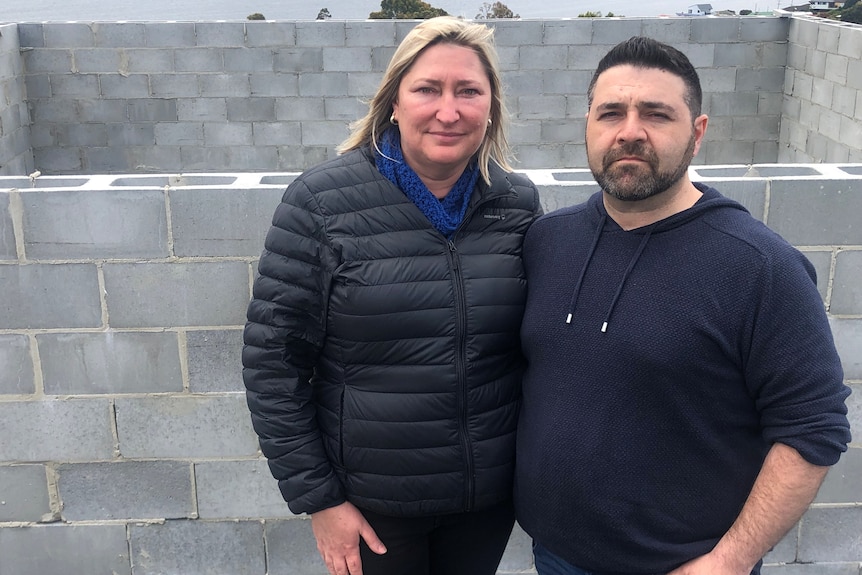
{"points": [[708, 564], [337, 531]]}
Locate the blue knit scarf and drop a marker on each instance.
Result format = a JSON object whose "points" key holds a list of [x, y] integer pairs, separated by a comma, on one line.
{"points": [[445, 214]]}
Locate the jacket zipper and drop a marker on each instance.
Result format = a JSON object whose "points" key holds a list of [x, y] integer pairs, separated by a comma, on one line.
{"points": [[461, 370]]}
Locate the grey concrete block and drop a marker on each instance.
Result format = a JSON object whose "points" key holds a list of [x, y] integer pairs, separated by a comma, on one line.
{"points": [[120, 34], [822, 262], [98, 224], [48, 61], [276, 133], [552, 57], [562, 132], [764, 29], [199, 60], [215, 548], [122, 135], [770, 104], [760, 80], [541, 107], [844, 101], [67, 34], [785, 550], [248, 59], [701, 55], [610, 31], [846, 288], [227, 222], [250, 109], [348, 109], [380, 58], [224, 85], [101, 111], [228, 134], [96, 60], [298, 158], [185, 427], [291, 548], [565, 82], [831, 535], [324, 133], [148, 61], [558, 197], [854, 74], [56, 430], [176, 294], [849, 568], [836, 68], [821, 92], [110, 363], [815, 63], [842, 483], [126, 490], [115, 86], [8, 249], [73, 549], [152, 110], [23, 493], [214, 360], [220, 34], [275, 85], [68, 296], [849, 133], [179, 133], [174, 86], [202, 110], [179, 35], [73, 135], [518, 557], [268, 33], [325, 84], [61, 160], [731, 104], [237, 489], [298, 60], [17, 375], [320, 33], [718, 80], [744, 55], [30, 35], [756, 128], [715, 29], [373, 34], [104, 160], [38, 87], [669, 31], [816, 212], [850, 42], [347, 59], [729, 152]]}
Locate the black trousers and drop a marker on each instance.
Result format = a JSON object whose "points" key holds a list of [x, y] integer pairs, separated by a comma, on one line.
{"points": [[458, 544]]}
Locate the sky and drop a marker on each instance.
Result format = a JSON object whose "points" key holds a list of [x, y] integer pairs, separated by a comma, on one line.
{"points": [[112, 10]]}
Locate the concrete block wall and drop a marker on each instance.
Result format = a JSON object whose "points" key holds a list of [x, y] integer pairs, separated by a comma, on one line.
{"points": [[822, 110], [108, 97], [125, 442], [16, 155]]}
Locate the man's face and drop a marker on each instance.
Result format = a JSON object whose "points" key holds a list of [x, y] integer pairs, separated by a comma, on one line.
{"points": [[640, 135]]}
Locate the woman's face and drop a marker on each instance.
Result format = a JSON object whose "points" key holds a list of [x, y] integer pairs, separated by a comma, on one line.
{"points": [[442, 109]]}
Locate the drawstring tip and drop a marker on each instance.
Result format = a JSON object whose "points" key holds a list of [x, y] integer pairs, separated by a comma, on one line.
{"points": [[569, 318], [604, 327]]}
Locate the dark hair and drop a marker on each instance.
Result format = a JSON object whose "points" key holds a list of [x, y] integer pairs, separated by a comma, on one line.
{"points": [[643, 52]]}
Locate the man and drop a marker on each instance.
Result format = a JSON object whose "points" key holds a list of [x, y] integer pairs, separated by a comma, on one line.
{"points": [[684, 398]]}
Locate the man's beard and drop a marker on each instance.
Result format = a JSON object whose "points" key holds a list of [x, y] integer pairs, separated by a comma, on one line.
{"points": [[630, 182]]}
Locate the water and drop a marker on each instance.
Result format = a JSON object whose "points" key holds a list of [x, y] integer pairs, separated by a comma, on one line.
{"points": [[113, 10]]}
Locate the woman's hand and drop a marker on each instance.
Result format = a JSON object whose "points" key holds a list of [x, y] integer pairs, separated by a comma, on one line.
{"points": [[337, 531]]}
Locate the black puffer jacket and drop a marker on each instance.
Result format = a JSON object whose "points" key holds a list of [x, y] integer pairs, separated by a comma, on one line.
{"points": [[382, 361]]}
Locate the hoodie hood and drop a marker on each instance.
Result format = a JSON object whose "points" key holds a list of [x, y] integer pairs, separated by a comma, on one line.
{"points": [[602, 222]]}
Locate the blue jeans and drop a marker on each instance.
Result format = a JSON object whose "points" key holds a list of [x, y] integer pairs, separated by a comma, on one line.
{"points": [[549, 564]]}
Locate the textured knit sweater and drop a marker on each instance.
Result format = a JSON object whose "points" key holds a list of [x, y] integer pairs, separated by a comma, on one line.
{"points": [[663, 363]]}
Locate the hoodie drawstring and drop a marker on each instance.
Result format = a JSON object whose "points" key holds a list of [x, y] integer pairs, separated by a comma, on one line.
{"points": [[580, 281], [628, 271]]}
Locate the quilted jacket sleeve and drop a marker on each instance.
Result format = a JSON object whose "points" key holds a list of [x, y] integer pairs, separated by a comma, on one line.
{"points": [[283, 337]]}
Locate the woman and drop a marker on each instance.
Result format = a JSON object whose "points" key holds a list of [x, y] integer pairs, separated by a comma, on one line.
{"points": [[382, 360]]}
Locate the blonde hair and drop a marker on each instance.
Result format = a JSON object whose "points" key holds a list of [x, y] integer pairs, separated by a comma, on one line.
{"points": [[439, 30]]}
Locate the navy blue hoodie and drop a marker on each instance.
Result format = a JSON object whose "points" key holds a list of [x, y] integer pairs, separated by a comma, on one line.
{"points": [[663, 363]]}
